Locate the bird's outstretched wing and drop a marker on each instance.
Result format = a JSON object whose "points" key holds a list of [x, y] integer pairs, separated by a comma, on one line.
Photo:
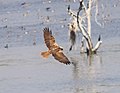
{"points": [[53, 47], [48, 38], [58, 55]]}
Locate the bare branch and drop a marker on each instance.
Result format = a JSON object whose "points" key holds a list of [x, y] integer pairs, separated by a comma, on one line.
{"points": [[78, 24], [96, 14], [97, 45], [84, 32], [72, 14]]}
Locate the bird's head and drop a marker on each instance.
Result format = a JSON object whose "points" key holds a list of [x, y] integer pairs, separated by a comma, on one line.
{"points": [[61, 48]]}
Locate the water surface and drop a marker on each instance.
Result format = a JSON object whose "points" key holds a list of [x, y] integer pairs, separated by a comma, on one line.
{"points": [[23, 70]]}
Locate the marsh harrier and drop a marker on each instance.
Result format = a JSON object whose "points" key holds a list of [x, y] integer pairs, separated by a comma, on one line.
{"points": [[53, 48]]}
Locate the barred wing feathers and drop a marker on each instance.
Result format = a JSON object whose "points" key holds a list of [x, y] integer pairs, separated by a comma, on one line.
{"points": [[61, 57], [53, 48], [48, 38]]}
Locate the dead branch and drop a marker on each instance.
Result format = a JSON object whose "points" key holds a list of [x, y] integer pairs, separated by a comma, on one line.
{"points": [[78, 25], [84, 32]]}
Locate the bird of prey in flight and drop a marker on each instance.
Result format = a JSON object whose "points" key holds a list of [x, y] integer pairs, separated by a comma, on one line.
{"points": [[53, 48]]}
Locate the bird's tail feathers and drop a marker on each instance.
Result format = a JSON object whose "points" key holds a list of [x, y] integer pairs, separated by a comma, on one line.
{"points": [[45, 54]]}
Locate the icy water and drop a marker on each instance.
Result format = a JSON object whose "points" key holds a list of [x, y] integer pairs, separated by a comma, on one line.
{"points": [[23, 70]]}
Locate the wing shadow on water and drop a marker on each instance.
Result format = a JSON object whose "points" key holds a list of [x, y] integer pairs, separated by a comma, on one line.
{"points": [[86, 72]]}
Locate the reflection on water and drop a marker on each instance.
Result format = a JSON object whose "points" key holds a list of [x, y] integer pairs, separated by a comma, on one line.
{"points": [[88, 74], [97, 73], [86, 71]]}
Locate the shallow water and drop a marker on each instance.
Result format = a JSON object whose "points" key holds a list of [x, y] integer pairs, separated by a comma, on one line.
{"points": [[23, 70]]}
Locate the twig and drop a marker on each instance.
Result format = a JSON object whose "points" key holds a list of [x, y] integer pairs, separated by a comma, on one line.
{"points": [[96, 13]]}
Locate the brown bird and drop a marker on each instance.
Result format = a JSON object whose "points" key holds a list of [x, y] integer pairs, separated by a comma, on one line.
{"points": [[53, 48], [73, 29]]}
